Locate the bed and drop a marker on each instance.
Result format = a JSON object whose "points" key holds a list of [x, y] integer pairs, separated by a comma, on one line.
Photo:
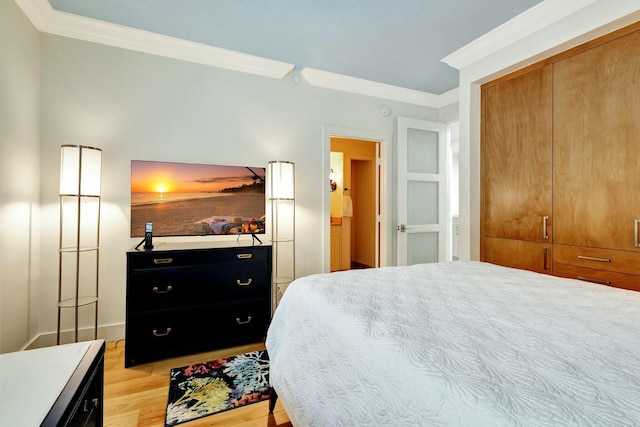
{"points": [[455, 343]]}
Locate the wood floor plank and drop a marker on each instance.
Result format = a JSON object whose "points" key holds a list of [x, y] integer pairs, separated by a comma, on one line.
{"points": [[137, 396]]}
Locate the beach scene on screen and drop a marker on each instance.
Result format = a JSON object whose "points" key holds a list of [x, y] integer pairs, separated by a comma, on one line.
{"points": [[184, 199]]}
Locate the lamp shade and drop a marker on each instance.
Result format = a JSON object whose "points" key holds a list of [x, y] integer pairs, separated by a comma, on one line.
{"points": [[80, 170], [281, 176]]}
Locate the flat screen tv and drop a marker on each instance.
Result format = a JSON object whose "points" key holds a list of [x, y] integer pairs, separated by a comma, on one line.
{"points": [[186, 199]]}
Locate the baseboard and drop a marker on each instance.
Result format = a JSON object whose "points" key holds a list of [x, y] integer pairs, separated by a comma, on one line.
{"points": [[108, 333]]}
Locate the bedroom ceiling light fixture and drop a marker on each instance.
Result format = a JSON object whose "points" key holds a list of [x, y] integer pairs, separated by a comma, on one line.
{"points": [[79, 232], [281, 195]]}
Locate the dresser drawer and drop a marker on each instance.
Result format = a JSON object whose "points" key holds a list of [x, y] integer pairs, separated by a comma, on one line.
{"points": [[154, 289], [595, 258], [182, 331], [163, 259], [601, 277]]}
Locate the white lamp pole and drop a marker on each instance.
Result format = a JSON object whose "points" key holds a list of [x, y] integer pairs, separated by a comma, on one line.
{"points": [[281, 177]]}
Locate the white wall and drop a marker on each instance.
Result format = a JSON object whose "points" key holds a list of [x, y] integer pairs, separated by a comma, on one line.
{"points": [[19, 177], [139, 106], [596, 18]]}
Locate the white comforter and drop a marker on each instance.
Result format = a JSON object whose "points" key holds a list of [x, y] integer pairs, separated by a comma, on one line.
{"points": [[459, 343]]}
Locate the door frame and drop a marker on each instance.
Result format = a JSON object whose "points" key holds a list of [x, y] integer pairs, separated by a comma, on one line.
{"points": [[384, 218]]}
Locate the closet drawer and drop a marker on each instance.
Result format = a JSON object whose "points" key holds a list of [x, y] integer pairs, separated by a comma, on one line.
{"points": [[153, 289], [520, 254], [595, 258], [601, 277]]}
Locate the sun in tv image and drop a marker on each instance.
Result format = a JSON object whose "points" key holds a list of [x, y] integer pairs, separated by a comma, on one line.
{"points": [[186, 199]]}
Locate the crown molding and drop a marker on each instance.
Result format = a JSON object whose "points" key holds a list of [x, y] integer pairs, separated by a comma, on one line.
{"points": [[350, 84], [48, 20], [527, 23]]}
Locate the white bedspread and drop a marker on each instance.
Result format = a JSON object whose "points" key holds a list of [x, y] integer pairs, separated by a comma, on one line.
{"points": [[459, 343]]}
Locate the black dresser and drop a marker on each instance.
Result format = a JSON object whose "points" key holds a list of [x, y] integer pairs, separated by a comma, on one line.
{"points": [[187, 298]]}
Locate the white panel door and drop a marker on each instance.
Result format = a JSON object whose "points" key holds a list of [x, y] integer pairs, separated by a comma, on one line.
{"points": [[422, 208]]}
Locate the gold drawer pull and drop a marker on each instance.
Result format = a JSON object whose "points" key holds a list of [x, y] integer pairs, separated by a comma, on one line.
{"points": [[598, 281], [163, 334], [157, 291], [243, 322], [591, 258], [247, 283], [244, 256], [162, 260]]}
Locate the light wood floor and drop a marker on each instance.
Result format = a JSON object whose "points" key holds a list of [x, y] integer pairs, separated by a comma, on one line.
{"points": [[137, 396]]}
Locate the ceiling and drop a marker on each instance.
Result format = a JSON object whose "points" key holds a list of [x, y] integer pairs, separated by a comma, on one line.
{"points": [[399, 43]]}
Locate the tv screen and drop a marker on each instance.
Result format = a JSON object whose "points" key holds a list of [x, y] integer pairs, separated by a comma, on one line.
{"points": [[186, 199]]}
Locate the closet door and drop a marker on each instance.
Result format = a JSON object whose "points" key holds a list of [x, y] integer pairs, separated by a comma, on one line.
{"points": [[596, 126], [517, 169]]}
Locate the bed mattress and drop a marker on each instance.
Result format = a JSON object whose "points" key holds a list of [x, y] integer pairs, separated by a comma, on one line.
{"points": [[457, 343]]}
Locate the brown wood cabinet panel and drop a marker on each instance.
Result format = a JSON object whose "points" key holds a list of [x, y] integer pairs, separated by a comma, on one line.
{"points": [[596, 160], [600, 277], [602, 259], [518, 157], [521, 254]]}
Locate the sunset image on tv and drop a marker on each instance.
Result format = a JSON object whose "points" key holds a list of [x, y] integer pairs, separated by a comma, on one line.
{"points": [[182, 199]]}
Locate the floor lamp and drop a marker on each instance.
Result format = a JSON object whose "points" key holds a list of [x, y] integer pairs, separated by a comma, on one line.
{"points": [[281, 177], [78, 250]]}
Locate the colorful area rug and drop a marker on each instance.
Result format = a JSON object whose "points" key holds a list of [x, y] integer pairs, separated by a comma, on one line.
{"points": [[205, 389]]}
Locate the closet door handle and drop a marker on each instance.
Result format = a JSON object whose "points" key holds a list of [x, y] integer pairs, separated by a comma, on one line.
{"points": [[598, 281], [247, 283], [545, 235], [635, 234], [592, 258], [545, 265]]}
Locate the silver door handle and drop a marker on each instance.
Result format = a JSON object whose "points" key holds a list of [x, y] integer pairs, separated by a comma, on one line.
{"points": [[545, 235], [403, 228]]}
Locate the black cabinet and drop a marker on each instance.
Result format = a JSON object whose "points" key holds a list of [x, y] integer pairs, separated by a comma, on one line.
{"points": [[80, 402], [184, 298]]}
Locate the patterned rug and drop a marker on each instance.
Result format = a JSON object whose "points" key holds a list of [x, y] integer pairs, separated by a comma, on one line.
{"points": [[205, 389]]}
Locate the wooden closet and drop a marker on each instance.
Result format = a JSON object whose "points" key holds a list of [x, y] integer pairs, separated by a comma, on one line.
{"points": [[561, 164]]}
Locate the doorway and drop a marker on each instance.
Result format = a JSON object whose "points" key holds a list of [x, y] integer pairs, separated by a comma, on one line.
{"points": [[355, 201]]}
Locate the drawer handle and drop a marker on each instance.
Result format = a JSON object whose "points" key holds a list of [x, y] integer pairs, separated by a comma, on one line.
{"points": [[598, 281], [91, 404], [163, 334], [247, 283], [162, 260], [244, 256], [591, 258], [157, 291], [243, 322]]}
